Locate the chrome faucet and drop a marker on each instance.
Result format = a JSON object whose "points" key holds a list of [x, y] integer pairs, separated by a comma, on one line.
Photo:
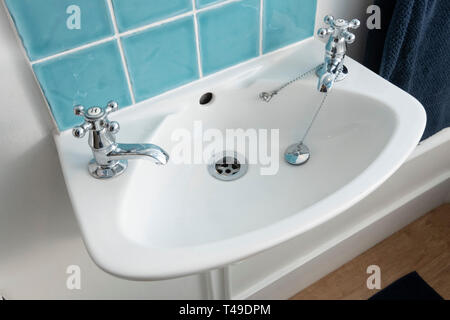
{"points": [[334, 69], [111, 158]]}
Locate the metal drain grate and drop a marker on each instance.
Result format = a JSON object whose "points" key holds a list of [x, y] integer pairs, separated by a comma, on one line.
{"points": [[227, 166]]}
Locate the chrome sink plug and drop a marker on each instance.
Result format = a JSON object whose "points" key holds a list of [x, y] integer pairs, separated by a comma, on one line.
{"points": [[111, 158], [335, 51]]}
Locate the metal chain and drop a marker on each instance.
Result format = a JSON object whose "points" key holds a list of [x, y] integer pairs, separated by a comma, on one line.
{"points": [[267, 96], [318, 110], [314, 118]]}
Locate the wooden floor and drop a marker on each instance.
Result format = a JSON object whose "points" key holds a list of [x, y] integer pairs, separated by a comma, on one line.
{"points": [[422, 246]]}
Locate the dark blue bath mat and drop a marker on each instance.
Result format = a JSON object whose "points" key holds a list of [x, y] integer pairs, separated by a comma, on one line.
{"points": [[409, 287]]}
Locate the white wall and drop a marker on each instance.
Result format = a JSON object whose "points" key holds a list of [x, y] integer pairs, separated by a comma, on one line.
{"points": [[347, 9], [39, 236]]}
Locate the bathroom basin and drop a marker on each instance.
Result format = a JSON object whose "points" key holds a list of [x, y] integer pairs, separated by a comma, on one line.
{"points": [[156, 222]]}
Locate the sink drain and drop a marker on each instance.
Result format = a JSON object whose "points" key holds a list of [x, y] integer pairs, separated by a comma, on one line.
{"points": [[227, 166]]}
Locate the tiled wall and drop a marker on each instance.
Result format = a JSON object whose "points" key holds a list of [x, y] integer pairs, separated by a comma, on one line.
{"points": [[132, 50]]}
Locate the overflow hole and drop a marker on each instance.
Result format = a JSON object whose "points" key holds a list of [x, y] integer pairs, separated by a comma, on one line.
{"points": [[206, 98]]}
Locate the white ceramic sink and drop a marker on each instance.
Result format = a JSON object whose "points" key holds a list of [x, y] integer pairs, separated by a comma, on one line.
{"points": [[157, 222]]}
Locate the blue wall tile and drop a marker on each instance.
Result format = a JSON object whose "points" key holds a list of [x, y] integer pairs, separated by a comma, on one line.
{"points": [[287, 21], [161, 58], [89, 77], [204, 3], [229, 34], [158, 58], [42, 24], [135, 13]]}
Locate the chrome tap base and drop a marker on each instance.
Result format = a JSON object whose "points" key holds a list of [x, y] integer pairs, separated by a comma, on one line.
{"points": [[297, 154], [115, 169], [341, 75]]}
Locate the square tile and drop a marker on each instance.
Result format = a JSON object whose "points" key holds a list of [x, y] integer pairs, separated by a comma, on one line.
{"points": [[204, 3], [161, 58], [43, 24], [286, 22], [131, 14], [229, 34], [92, 76]]}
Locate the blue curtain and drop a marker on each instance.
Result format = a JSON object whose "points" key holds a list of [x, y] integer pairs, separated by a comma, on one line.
{"points": [[412, 50]]}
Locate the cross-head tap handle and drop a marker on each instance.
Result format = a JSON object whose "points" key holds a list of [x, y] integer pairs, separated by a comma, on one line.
{"points": [[338, 29], [96, 118]]}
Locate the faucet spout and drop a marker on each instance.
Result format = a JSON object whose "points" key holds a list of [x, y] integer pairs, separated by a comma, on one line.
{"points": [[132, 151], [326, 82]]}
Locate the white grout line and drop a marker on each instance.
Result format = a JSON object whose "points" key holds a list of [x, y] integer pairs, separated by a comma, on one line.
{"points": [[115, 36], [85, 46], [197, 40], [156, 24], [127, 73], [261, 17], [217, 5], [174, 18], [122, 55], [129, 32]]}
